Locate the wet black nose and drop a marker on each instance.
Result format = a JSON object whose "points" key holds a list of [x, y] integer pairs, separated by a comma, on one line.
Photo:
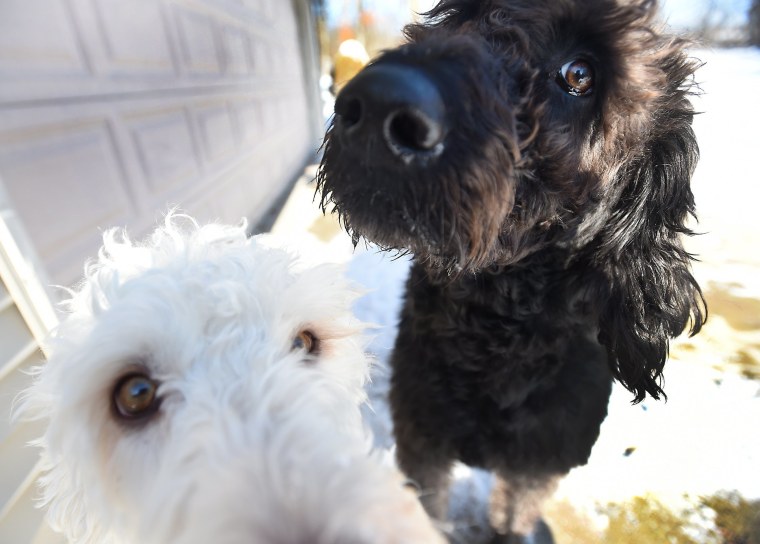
{"points": [[398, 103]]}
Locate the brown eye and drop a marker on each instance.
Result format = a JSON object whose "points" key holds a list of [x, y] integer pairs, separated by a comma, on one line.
{"points": [[576, 77], [134, 397], [306, 341]]}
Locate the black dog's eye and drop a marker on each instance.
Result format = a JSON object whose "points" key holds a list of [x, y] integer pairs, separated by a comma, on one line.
{"points": [[576, 77], [306, 340], [134, 397]]}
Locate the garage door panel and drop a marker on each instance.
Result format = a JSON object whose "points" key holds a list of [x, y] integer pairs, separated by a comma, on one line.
{"points": [[199, 47], [166, 149], [117, 24], [54, 171], [248, 115], [217, 132], [232, 194], [31, 45], [261, 54], [228, 192], [262, 8], [237, 51]]}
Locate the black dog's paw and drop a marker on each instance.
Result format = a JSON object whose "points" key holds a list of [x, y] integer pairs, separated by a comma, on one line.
{"points": [[541, 534]]}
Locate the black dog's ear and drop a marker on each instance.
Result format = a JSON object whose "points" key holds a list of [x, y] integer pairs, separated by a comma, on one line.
{"points": [[653, 296]]}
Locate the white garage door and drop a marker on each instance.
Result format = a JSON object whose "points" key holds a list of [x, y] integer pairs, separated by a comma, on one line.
{"points": [[111, 110]]}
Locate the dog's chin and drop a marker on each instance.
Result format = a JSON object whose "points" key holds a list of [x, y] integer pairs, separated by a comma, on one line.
{"points": [[402, 234], [450, 258], [397, 209], [377, 218], [395, 230]]}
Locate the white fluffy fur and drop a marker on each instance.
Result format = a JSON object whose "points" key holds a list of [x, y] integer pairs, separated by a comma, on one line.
{"points": [[253, 443]]}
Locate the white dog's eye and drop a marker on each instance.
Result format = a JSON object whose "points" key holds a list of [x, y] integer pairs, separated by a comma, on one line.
{"points": [[134, 397], [576, 77], [306, 340]]}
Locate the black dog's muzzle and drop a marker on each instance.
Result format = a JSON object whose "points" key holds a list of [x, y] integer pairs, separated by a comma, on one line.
{"points": [[396, 103]]}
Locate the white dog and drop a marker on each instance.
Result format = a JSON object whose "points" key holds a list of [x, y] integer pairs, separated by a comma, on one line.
{"points": [[201, 391]]}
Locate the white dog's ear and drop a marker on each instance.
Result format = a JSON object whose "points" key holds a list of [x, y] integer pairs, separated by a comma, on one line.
{"points": [[68, 510], [61, 489]]}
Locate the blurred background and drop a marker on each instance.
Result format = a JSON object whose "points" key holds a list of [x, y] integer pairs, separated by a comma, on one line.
{"points": [[113, 110]]}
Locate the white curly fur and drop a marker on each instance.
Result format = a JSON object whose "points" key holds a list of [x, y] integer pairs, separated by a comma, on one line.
{"points": [[254, 442]]}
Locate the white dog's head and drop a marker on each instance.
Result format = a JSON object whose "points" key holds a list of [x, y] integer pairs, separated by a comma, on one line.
{"points": [[201, 390]]}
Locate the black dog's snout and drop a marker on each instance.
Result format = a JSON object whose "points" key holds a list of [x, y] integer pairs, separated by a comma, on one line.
{"points": [[399, 103]]}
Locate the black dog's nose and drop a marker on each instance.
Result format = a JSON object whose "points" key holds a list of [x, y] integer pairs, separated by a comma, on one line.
{"points": [[400, 103]]}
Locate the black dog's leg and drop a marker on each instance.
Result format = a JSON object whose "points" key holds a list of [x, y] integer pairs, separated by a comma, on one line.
{"points": [[428, 469], [421, 416], [515, 508]]}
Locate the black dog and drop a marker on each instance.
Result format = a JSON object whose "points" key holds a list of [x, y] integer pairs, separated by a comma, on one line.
{"points": [[535, 157]]}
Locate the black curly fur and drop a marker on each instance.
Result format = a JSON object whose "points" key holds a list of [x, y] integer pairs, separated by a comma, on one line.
{"points": [[546, 237]]}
